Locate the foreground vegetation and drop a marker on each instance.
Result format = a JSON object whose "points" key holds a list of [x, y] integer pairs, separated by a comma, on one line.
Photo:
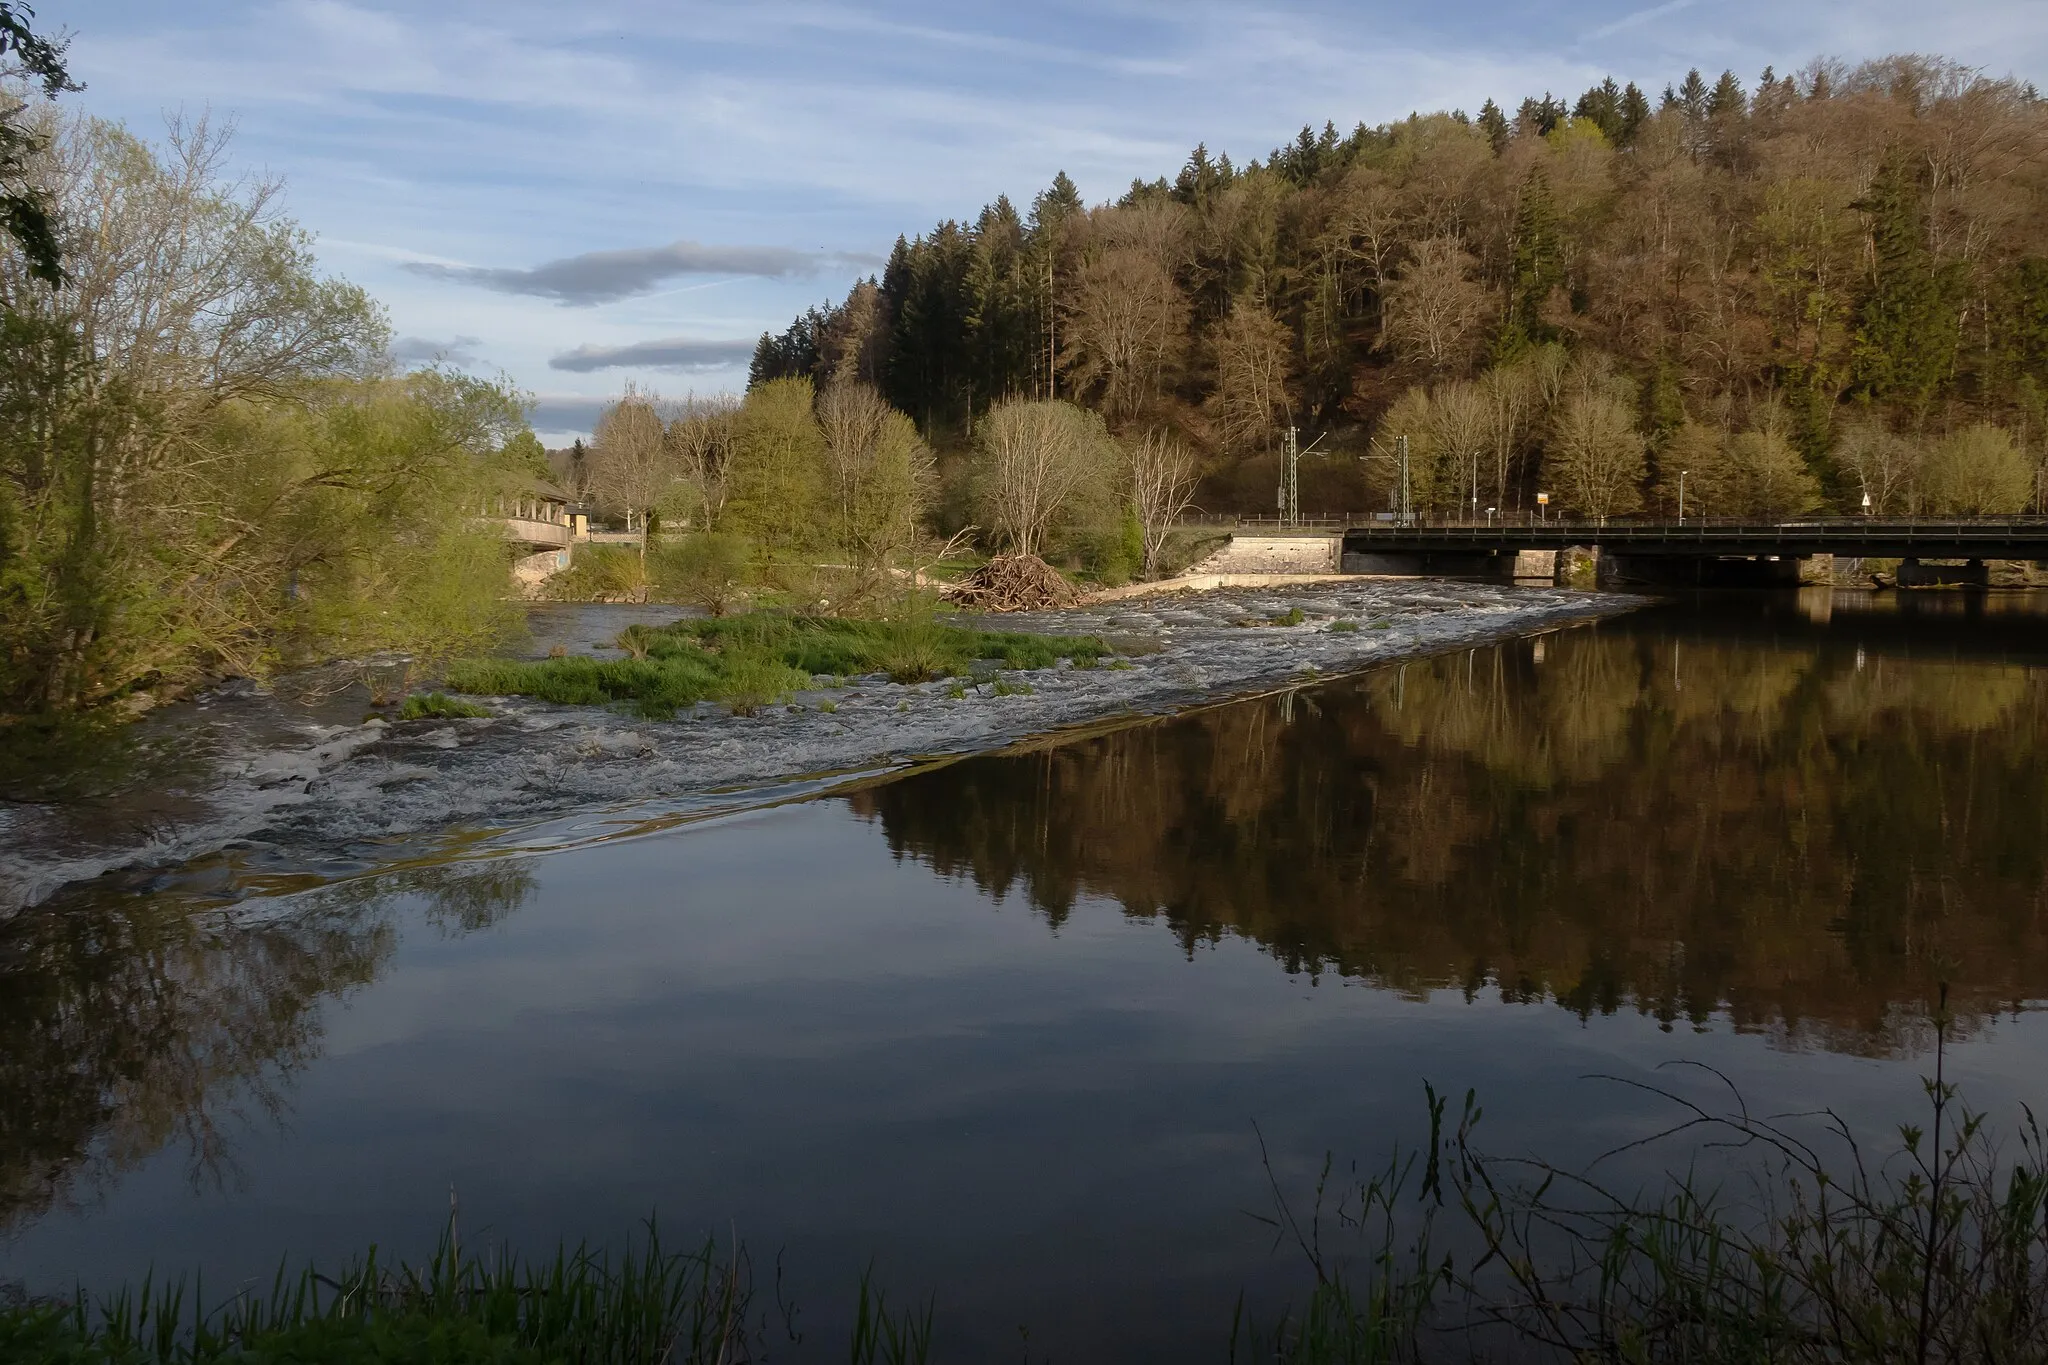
{"points": [[653, 1307], [758, 659], [1935, 1252]]}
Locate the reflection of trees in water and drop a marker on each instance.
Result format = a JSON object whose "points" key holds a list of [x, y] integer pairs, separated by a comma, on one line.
{"points": [[130, 1022], [1620, 817]]}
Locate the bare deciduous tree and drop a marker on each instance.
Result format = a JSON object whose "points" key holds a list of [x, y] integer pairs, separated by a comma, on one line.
{"points": [[1163, 474], [1461, 426], [1884, 464], [1125, 331], [1596, 453], [1037, 457], [700, 437], [631, 469], [1434, 306], [1254, 352]]}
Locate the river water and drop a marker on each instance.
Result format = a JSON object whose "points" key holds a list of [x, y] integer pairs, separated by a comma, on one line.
{"points": [[1017, 1028]]}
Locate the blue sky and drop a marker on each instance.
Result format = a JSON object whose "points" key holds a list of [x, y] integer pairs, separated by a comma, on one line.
{"points": [[577, 195]]}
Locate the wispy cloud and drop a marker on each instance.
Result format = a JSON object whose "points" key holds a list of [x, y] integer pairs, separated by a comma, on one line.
{"points": [[459, 350], [608, 276], [668, 353], [1637, 19]]}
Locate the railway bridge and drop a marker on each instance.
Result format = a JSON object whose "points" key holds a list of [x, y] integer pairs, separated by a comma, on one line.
{"points": [[1703, 553]]}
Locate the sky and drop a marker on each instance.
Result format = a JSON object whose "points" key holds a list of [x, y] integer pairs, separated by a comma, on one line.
{"points": [[575, 196]]}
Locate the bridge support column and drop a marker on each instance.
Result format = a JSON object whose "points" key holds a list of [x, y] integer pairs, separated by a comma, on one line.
{"points": [[1580, 566], [1915, 574]]}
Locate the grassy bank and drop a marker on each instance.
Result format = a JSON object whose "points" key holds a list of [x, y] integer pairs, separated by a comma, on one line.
{"points": [[650, 1306], [758, 659]]}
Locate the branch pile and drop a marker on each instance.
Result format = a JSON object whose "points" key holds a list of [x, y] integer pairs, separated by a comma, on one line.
{"points": [[1014, 583]]}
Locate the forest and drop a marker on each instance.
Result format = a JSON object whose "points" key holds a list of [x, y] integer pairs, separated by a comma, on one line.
{"points": [[1827, 287]]}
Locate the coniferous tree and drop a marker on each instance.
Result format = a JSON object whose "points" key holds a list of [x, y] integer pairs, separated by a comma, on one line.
{"points": [[1693, 96], [1494, 124], [1727, 99], [1602, 104], [1635, 111], [1538, 263], [1906, 323]]}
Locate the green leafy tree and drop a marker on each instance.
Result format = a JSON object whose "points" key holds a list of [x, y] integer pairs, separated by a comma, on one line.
{"points": [[774, 479]]}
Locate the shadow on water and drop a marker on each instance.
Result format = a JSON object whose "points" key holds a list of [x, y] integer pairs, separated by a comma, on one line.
{"points": [[1805, 818]]}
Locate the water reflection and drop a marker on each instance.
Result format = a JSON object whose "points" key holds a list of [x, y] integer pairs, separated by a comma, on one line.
{"points": [[1805, 821], [129, 1023]]}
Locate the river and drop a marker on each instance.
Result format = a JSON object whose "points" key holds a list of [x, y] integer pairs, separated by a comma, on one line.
{"points": [[1016, 1027]]}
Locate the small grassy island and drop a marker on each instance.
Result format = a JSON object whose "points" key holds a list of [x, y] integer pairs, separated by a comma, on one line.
{"points": [[761, 658]]}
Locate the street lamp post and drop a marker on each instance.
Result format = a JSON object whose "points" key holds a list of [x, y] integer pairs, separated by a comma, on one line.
{"points": [[1681, 497]]}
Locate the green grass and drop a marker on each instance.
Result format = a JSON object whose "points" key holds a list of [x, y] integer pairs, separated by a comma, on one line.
{"points": [[1291, 617], [439, 706], [1343, 627], [760, 658], [655, 1307]]}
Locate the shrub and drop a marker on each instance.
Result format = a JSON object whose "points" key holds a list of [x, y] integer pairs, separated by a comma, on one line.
{"points": [[709, 569], [750, 681]]}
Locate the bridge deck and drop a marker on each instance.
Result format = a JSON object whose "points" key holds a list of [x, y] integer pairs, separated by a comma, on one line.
{"points": [[2006, 539]]}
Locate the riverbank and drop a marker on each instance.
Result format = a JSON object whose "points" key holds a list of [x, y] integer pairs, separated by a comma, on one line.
{"points": [[289, 788]]}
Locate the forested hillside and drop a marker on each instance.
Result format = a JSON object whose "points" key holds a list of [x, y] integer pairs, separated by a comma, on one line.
{"points": [[1830, 285]]}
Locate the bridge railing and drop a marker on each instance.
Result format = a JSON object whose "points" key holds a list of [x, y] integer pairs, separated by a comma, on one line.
{"points": [[1364, 521]]}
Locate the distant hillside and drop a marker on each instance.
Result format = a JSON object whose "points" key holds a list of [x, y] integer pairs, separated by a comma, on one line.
{"points": [[1832, 285]]}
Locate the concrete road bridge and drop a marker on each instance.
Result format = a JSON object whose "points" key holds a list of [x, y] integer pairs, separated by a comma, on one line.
{"points": [[1699, 552]]}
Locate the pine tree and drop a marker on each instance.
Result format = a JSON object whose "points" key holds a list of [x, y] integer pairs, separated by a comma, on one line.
{"points": [[1693, 96], [1602, 104], [1494, 124], [1635, 112], [1906, 329], [1538, 266], [1727, 100], [1200, 180]]}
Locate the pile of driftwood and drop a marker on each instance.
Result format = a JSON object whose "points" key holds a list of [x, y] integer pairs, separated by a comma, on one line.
{"points": [[1014, 583]]}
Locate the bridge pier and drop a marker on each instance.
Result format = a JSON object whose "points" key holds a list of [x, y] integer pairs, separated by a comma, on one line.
{"points": [[1915, 574]]}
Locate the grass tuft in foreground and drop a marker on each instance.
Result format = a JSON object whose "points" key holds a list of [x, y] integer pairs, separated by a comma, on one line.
{"points": [[1819, 1250], [758, 659], [650, 1307]]}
